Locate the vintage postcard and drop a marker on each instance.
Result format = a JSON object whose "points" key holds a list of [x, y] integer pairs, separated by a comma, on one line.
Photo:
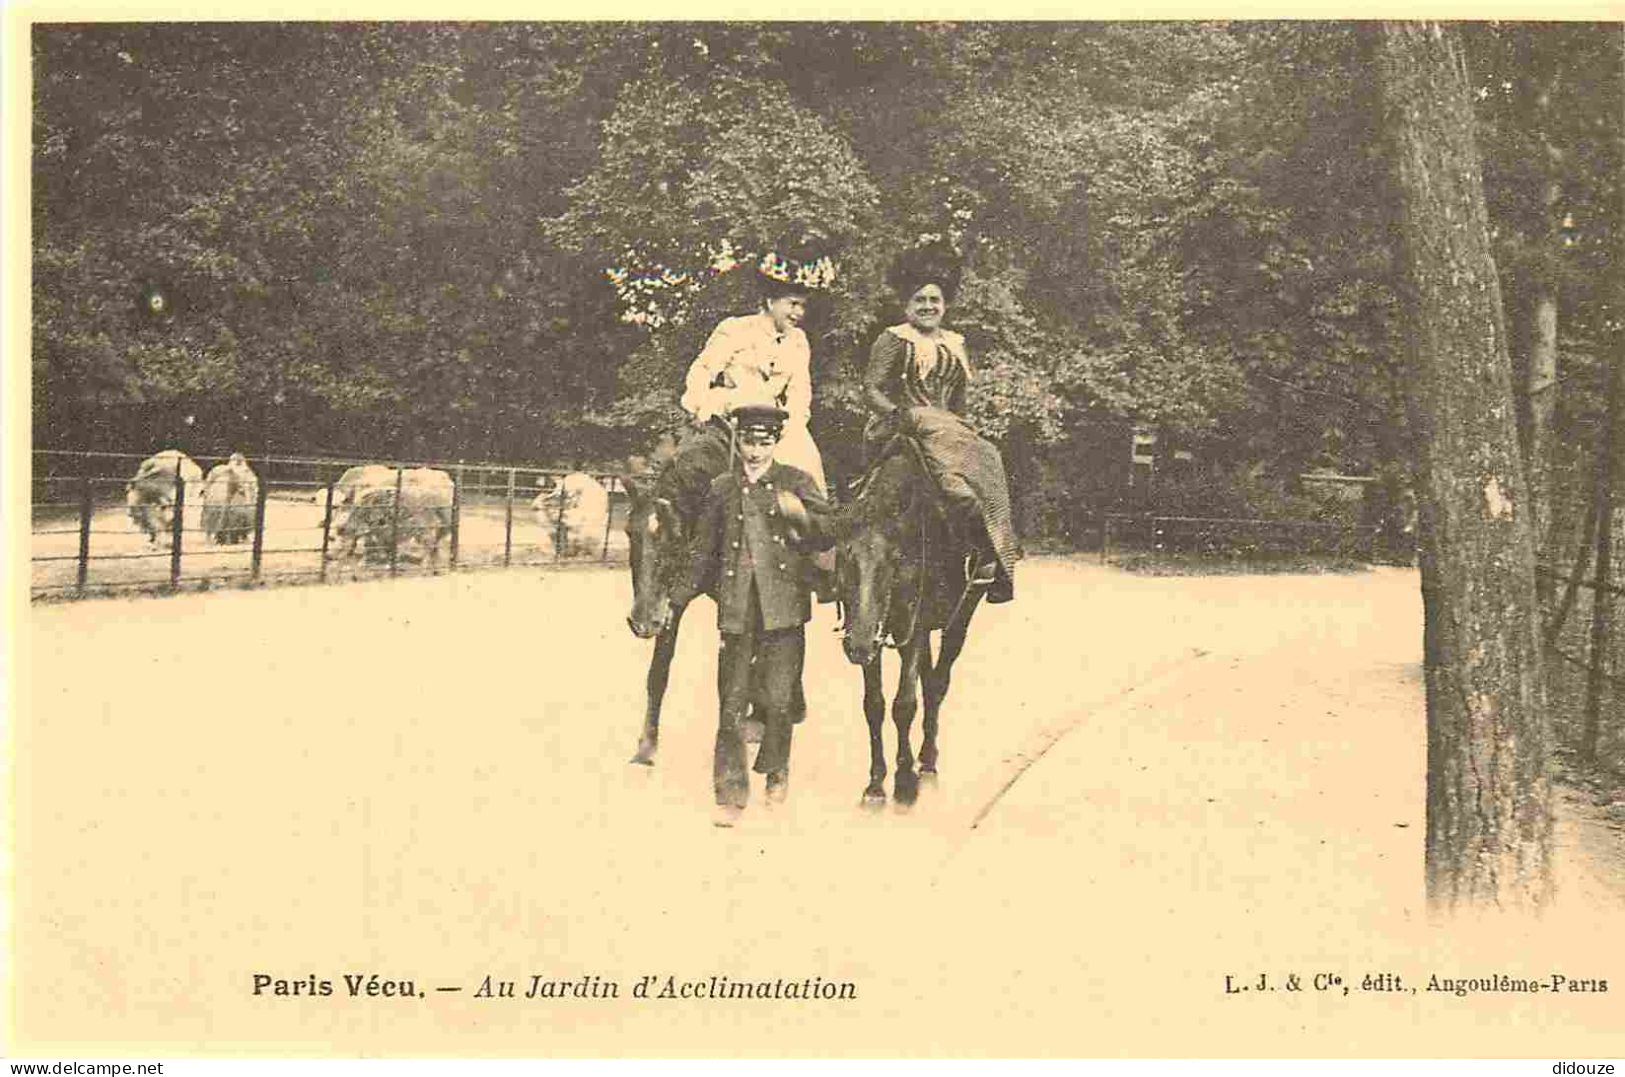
{"points": [[448, 615]]}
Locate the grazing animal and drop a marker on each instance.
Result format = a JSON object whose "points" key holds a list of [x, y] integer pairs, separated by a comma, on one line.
{"points": [[901, 576], [365, 517], [230, 496], [150, 495], [345, 492], [575, 512]]}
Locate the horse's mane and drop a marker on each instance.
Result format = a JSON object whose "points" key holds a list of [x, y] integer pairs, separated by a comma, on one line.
{"points": [[890, 490], [665, 481]]}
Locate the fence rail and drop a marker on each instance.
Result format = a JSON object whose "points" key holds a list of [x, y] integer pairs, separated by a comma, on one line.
{"points": [[85, 537], [1213, 534], [1590, 585]]}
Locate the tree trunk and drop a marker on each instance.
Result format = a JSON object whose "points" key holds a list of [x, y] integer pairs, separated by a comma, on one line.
{"points": [[1489, 820], [1540, 383], [1542, 390]]}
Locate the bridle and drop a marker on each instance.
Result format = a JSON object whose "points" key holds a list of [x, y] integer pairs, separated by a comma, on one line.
{"points": [[666, 552]]}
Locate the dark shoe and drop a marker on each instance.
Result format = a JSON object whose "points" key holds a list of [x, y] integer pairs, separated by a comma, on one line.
{"points": [[778, 787]]}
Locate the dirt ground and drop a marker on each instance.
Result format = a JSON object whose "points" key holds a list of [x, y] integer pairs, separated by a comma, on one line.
{"points": [[1153, 791]]}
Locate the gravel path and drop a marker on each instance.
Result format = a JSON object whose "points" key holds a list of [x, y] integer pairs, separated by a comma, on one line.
{"points": [[1147, 785]]}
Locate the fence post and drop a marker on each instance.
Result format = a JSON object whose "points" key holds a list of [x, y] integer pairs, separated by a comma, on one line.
{"points": [[259, 524], [558, 525], [175, 527], [327, 526], [609, 518], [395, 523], [507, 524], [456, 514], [84, 532]]}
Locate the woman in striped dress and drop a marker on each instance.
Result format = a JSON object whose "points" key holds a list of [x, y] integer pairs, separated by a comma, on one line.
{"points": [[915, 384]]}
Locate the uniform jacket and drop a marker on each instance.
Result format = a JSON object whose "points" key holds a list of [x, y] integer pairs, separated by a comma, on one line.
{"points": [[743, 538]]}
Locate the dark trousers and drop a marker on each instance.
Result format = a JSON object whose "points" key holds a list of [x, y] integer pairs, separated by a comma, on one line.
{"points": [[778, 657]]}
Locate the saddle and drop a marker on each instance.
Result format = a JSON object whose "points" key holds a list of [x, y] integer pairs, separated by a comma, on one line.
{"points": [[980, 574]]}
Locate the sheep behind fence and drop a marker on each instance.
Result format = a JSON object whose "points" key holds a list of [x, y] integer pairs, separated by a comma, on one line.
{"points": [[281, 518]]}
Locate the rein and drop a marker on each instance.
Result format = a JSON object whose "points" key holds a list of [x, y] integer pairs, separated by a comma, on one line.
{"points": [[919, 581], [921, 511]]}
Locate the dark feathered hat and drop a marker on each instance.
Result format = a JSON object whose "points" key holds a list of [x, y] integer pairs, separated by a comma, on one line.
{"points": [[933, 263]]}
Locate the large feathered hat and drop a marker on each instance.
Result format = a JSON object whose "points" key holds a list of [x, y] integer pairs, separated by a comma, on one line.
{"points": [[795, 266], [930, 263]]}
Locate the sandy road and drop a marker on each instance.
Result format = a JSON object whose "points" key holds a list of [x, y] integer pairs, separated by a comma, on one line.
{"points": [[426, 779]]}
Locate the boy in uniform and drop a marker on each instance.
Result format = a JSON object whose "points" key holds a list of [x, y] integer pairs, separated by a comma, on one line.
{"points": [[761, 521]]}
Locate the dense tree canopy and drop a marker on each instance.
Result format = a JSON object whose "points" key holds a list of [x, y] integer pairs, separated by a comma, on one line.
{"points": [[508, 239]]}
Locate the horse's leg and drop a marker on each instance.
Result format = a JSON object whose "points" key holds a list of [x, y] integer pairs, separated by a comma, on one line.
{"points": [[874, 712], [906, 786], [936, 675], [659, 673], [928, 717]]}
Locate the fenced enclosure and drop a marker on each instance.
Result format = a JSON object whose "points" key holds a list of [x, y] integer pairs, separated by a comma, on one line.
{"points": [[85, 540], [86, 543], [1581, 578], [1238, 538]]}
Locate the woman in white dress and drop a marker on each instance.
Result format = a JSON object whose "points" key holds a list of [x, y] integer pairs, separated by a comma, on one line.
{"points": [[770, 346]]}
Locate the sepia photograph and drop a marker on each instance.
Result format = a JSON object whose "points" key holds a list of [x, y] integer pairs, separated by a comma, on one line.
{"points": [[610, 538]]}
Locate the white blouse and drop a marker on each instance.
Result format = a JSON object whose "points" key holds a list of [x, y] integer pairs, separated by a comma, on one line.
{"points": [[749, 346]]}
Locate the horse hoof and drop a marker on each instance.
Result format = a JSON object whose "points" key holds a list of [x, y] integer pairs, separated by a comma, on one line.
{"points": [[645, 756], [874, 799], [907, 790], [928, 779]]}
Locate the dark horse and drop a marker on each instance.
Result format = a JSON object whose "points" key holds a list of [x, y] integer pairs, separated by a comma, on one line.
{"points": [[660, 528], [901, 576]]}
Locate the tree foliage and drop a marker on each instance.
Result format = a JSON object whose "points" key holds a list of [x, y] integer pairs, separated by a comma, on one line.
{"points": [[504, 238]]}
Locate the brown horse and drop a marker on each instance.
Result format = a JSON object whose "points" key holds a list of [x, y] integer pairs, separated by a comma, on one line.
{"points": [[901, 576]]}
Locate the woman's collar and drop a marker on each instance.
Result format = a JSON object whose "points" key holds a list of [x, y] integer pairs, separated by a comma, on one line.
{"points": [[908, 332]]}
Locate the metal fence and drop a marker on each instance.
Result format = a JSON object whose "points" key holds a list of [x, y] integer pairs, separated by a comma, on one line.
{"points": [[1233, 537], [1585, 648], [1581, 576], [85, 541]]}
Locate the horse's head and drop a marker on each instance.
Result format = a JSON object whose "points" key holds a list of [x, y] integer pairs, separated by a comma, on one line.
{"points": [[871, 570], [865, 569], [655, 535]]}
